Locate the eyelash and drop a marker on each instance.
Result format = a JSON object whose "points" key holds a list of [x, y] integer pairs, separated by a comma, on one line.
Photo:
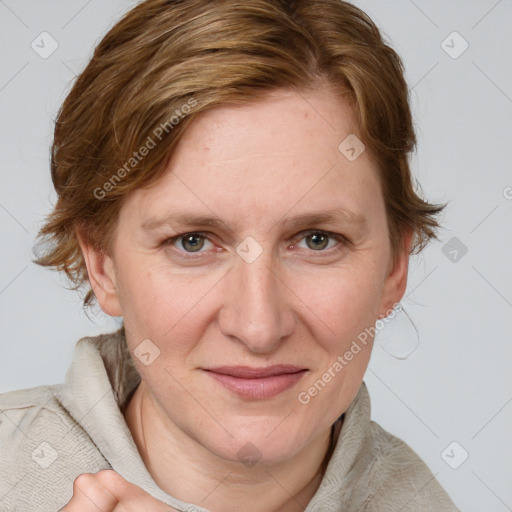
{"points": [[342, 241]]}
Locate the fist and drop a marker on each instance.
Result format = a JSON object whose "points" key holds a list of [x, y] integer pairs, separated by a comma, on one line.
{"points": [[108, 491]]}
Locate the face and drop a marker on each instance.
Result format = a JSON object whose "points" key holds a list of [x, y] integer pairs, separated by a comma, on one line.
{"points": [[294, 263]]}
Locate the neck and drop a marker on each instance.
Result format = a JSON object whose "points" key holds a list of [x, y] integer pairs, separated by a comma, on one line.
{"points": [[185, 469]]}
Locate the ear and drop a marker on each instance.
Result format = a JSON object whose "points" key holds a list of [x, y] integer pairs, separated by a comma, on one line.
{"points": [[396, 280], [102, 278]]}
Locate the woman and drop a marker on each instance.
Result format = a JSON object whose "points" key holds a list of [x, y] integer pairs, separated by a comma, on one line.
{"points": [[233, 181]]}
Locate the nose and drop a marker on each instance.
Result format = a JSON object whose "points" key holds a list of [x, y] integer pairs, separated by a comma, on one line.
{"points": [[257, 306]]}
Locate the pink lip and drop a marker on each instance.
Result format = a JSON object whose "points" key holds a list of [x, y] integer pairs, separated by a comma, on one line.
{"points": [[257, 383]]}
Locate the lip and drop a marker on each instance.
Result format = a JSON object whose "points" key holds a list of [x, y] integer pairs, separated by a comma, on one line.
{"points": [[257, 383]]}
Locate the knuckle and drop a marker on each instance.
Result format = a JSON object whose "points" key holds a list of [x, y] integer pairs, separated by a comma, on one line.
{"points": [[106, 473], [109, 477], [83, 480]]}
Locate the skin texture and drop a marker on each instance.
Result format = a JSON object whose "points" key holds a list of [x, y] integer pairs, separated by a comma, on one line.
{"points": [[253, 167]]}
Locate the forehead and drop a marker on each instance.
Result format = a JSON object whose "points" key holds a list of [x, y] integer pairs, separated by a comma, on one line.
{"points": [[281, 121], [260, 160]]}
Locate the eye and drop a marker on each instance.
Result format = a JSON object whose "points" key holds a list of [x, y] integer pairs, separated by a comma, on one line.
{"points": [[189, 242], [318, 240], [315, 240]]}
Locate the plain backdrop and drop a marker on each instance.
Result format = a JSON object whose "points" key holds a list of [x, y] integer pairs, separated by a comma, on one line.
{"points": [[450, 398]]}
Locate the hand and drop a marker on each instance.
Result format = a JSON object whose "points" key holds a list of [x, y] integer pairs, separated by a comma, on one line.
{"points": [[108, 491]]}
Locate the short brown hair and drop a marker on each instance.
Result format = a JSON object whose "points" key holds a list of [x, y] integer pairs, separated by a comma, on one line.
{"points": [[166, 61]]}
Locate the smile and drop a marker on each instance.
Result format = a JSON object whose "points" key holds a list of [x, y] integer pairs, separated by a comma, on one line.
{"points": [[257, 383]]}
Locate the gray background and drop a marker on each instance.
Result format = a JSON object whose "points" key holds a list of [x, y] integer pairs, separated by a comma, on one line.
{"points": [[456, 384]]}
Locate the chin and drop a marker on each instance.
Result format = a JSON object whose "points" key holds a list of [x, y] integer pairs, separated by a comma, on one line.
{"points": [[258, 444]]}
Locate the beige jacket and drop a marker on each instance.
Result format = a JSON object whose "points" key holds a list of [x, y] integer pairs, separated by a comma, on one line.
{"points": [[51, 434]]}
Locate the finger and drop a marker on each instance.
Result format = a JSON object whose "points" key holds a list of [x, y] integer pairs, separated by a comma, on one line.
{"points": [[90, 495], [130, 497]]}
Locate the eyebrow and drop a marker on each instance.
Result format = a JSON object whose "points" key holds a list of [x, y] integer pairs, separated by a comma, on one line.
{"points": [[337, 216]]}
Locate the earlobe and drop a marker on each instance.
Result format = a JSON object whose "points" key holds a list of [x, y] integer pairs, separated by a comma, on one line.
{"points": [[102, 278]]}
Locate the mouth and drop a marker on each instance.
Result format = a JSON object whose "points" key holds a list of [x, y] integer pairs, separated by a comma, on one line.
{"points": [[256, 383]]}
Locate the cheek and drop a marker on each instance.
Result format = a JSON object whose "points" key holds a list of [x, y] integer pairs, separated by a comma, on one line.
{"points": [[342, 302], [343, 306], [163, 305]]}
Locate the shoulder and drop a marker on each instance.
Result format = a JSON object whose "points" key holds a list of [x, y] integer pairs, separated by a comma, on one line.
{"points": [[401, 480], [43, 449]]}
